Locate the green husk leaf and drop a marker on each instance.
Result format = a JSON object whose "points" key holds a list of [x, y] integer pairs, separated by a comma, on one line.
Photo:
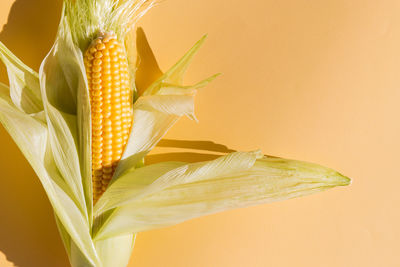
{"points": [[160, 107], [62, 72], [84, 125], [176, 73], [75, 255], [206, 188], [179, 105], [24, 82], [85, 140], [30, 134], [65, 88], [65, 237], [130, 185], [35, 134], [173, 89], [149, 126], [115, 251], [62, 136], [151, 179]]}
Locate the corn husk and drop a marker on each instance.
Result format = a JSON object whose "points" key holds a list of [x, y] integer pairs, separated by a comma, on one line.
{"points": [[48, 116]]}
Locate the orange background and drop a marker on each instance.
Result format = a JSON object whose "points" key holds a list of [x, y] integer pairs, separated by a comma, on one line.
{"points": [[305, 79]]}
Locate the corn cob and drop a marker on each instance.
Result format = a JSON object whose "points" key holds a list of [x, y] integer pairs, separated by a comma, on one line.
{"points": [[111, 106]]}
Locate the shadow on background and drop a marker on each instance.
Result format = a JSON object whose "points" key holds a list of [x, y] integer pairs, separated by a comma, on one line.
{"points": [[148, 70], [208, 146], [199, 145], [30, 30], [28, 234], [180, 156]]}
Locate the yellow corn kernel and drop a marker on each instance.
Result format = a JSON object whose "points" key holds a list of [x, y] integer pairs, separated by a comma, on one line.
{"points": [[111, 106]]}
